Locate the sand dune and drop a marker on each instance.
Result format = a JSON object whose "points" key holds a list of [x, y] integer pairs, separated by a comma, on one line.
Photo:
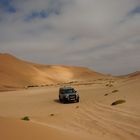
{"points": [[93, 118], [109, 107], [16, 73]]}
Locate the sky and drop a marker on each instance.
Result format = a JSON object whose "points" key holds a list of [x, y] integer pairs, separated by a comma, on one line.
{"points": [[103, 35]]}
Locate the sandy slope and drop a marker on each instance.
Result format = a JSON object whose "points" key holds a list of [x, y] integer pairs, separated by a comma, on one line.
{"points": [[92, 118], [11, 129], [15, 73]]}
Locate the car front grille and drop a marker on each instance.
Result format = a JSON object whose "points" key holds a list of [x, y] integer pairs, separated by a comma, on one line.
{"points": [[72, 96]]}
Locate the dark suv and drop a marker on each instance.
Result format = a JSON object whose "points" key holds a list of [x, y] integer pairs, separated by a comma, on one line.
{"points": [[68, 94]]}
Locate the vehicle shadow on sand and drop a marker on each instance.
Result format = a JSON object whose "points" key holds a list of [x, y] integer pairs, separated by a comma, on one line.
{"points": [[57, 101]]}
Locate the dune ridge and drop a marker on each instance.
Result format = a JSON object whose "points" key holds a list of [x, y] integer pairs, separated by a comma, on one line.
{"points": [[16, 73]]}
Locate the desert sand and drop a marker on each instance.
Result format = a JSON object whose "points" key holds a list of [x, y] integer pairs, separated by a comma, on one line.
{"points": [[93, 118]]}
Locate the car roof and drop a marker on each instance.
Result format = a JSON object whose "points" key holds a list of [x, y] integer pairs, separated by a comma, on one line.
{"points": [[63, 88]]}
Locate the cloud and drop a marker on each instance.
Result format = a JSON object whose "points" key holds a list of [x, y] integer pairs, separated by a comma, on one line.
{"points": [[7, 6], [103, 35], [135, 10], [37, 14]]}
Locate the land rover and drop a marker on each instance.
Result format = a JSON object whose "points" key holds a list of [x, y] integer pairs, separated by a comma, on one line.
{"points": [[68, 94]]}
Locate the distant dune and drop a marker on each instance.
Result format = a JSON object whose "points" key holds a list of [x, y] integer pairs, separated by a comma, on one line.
{"points": [[16, 73], [135, 74]]}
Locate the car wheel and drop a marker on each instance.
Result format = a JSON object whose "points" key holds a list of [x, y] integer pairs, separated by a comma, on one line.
{"points": [[64, 101], [77, 100], [60, 100]]}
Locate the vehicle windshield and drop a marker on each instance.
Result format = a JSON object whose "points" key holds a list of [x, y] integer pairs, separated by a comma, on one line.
{"points": [[67, 91]]}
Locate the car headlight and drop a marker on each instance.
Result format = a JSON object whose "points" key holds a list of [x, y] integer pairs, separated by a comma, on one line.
{"points": [[77, 94]]}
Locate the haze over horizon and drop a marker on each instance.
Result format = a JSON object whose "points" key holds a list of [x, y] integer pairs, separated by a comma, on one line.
{"points": [[100, 34]]}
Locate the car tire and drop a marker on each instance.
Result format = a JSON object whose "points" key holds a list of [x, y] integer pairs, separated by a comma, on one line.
{"points": [[60, 100], [64, 101], [77, 100]]}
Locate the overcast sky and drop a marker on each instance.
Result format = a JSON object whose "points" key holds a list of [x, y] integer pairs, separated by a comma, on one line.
{"points": [[101, 34]]}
